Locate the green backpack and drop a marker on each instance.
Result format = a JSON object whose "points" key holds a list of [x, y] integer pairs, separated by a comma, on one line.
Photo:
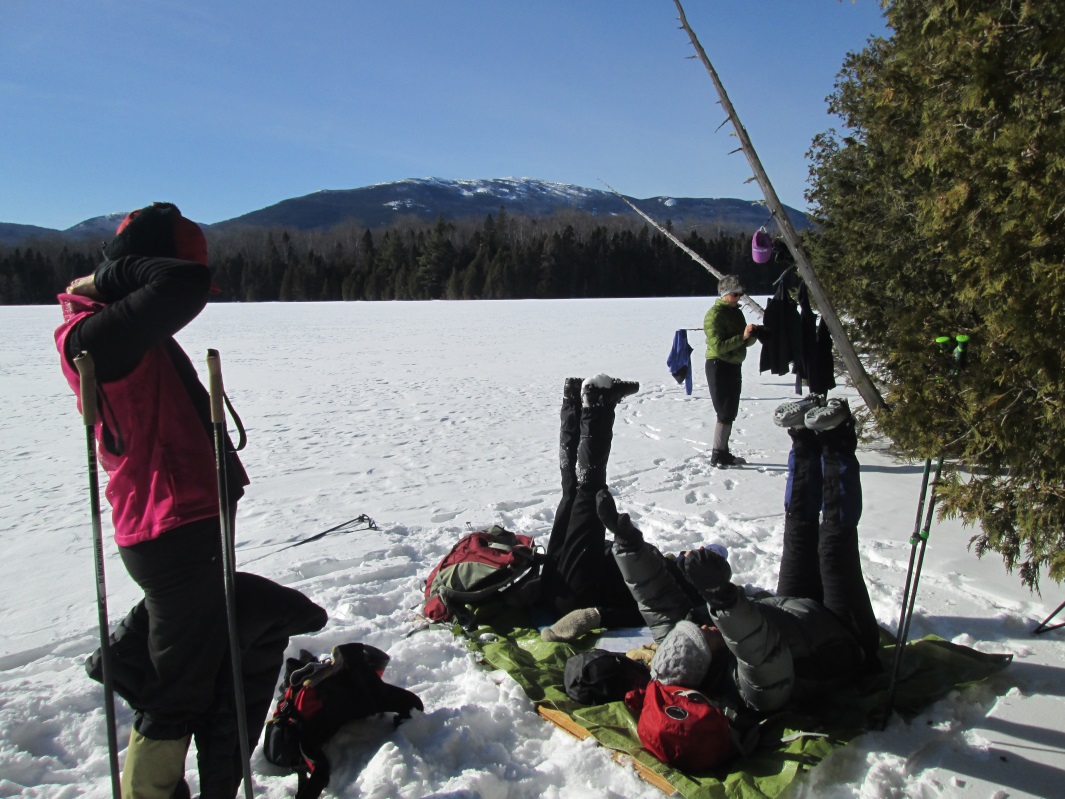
{"points": [[480, 565]]}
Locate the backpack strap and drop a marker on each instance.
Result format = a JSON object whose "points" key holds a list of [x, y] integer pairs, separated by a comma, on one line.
{"points": [[311, 781]]}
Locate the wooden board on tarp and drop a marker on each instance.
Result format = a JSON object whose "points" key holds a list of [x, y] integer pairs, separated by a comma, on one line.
{"points": [[565, 722]]}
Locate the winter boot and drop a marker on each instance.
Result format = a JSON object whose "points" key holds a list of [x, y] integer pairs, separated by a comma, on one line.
{"points": [[792, 414], [722, 459], [603, 390], [154, 769], [832, 414]]}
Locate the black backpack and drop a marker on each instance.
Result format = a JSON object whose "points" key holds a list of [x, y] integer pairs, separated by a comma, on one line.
{"points": [[317, 698], [598, 676]]}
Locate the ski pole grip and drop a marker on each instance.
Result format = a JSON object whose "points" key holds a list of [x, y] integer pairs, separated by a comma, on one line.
{"points": [[961, 351], [87, 386], [214, 380]]}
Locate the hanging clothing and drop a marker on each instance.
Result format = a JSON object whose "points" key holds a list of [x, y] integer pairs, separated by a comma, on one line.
{"points": [[780, 334], [818, 365], [680, 361]]}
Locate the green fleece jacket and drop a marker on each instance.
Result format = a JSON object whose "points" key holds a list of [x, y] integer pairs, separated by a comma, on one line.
{"points": [[724, 325]]}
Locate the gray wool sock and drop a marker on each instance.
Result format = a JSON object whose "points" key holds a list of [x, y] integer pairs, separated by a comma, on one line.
{"points": [[573, 625], [721, 434]]}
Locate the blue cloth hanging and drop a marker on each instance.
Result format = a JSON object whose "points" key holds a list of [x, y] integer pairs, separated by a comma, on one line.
{"points": [[680, 360]]}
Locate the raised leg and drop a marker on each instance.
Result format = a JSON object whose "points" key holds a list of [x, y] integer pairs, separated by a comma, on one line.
{"points": [[583, 573], [568, 439], [845, 592], [800, 567]]}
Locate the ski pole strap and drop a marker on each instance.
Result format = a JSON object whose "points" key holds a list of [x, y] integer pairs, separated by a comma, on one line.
{"points": [[242, 439], [87, 372]]}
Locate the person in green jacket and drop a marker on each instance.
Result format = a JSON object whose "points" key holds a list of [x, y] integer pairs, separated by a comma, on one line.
{"points": [[727, 338]]}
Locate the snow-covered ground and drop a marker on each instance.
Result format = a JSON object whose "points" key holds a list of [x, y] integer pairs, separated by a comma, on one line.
{"points": [[429, 416]]}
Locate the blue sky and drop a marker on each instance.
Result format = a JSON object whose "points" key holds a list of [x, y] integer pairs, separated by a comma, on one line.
{"points": [[227, 107]]}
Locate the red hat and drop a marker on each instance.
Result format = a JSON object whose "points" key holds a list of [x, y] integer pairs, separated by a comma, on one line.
{"points": [[682, 728], [160, 230]]}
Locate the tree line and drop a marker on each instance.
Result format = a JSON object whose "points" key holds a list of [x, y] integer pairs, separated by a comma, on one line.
{"points": [[502, 257]]}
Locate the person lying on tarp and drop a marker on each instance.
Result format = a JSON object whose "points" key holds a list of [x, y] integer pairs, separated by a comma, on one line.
{"points": [[579, 580], [762, 654]]}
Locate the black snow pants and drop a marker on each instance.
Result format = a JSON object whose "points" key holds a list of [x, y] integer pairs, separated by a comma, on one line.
{"points": [[171, 653], [823, 503], [580, 571]]}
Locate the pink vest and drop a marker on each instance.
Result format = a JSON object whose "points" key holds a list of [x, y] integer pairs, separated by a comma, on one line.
{"points": [[165, 476]]}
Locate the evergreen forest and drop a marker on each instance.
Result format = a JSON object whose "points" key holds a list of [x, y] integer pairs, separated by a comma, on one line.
{"points": [[564, 256]]}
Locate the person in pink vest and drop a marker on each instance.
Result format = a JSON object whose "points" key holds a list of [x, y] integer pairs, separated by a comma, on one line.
{"points": [[154, 441]]}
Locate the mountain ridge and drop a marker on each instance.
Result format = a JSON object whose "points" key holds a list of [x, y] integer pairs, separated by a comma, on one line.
{"points": [[426, 199]]}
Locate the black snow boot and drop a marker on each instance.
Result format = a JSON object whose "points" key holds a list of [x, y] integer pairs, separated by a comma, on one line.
{"points": [[603, 390], [722, 459]]}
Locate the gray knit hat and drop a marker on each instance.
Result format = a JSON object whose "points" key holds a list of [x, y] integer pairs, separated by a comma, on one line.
{"points": [[729, 284], [683, 657]]}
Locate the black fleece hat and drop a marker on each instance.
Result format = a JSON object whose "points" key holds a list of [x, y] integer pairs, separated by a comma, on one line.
{"points": [[160, 230]]}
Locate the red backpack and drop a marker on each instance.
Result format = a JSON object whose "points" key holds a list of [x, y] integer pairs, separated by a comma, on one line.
{"points": [[683, 728], [481, 564]]}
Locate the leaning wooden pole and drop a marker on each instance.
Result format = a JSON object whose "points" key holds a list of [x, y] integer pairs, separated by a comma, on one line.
{"points": [[853, 364], [747, 301]]}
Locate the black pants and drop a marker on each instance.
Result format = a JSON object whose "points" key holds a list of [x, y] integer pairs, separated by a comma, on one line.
{"points": [[180, 573], [580, 571], [725, 381], [822, 504], [179, 642]]}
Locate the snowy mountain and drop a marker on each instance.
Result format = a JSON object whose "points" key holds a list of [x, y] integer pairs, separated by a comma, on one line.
{"points": [[97, 226], [426, 199], [429, 198]]}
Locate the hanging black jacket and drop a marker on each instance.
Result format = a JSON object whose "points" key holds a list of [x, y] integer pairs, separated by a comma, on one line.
{"points": [[780, 334], [818, 365]]}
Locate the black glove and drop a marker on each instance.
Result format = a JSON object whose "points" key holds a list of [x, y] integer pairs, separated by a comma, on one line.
{"points": [[620, 525], [400, 701], [607, 510], [709, 574]]}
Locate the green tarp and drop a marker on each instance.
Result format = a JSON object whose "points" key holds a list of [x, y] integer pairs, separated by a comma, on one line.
{"points": [[931, 669]]}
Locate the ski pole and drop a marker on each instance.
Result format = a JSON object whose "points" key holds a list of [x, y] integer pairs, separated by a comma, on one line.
{"points": [[87, 388], [919, 539], [1042, 627], [225, 519], [918, 542]]}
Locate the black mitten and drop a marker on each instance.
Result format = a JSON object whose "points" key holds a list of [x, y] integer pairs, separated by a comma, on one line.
{"points": [[709, 574], [620, 525]]}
